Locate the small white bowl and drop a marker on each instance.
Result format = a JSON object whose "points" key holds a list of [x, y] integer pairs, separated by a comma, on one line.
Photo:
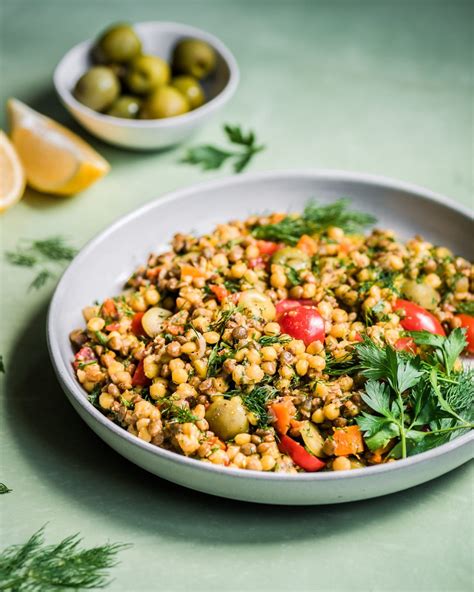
{"points": [[158, 38]]}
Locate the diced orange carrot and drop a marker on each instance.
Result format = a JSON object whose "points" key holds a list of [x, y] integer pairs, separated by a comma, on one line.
{"points": [[307, 245], [283, 413], [348, 441], [190, 271], [109, 309]]}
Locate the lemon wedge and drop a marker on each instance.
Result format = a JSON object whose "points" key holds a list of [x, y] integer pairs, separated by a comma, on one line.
{"points": [[12, 177], [55, 159]]}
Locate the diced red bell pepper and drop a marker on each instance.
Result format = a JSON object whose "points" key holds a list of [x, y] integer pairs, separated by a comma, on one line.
{"points": [[139, 378], [282, 413], [299, 455], [113, 326], [137, 327], [219, 291]]}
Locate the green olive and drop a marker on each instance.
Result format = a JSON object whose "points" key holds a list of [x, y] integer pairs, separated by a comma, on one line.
{"points": [[147, 73], [227, 418], [191, 89], [119, 44], [125, 106], [165, 101], [194, 57], [421, 294], [97, 88], [292, 257], [257, 304]]}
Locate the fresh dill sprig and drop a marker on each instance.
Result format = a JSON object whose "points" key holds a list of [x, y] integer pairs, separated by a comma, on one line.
{"points": [[273, 339], [174, 413], [4, 489], [37, 567], [93, 396], [256, 401], [44, 255], [315, 219], [211, 157]]}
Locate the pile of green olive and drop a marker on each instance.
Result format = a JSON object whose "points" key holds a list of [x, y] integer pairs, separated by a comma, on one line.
{"points": [[124, 82]]}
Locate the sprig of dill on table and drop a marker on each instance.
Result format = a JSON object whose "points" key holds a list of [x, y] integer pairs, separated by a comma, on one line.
{"points": [[36, 567], [44, 256], [315, 219]]}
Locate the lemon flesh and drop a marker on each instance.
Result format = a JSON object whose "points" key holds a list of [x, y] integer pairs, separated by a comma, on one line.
{"points": [[12, 175], [55, 159]]}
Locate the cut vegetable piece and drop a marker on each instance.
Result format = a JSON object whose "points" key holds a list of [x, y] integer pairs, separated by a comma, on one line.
{"points": [[153, 319], [348, 441], [55, 159], [312, 438], [12, 177]]}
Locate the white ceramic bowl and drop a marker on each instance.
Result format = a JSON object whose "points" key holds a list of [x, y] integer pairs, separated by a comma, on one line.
{"points": [[127, 242], [158, 38]]}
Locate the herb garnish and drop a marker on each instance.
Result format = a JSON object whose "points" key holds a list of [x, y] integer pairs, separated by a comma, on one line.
{"points": [[211, 157], [420, 403], [41, 255], [256, 401], [34, 566], [4, 488], [273, 339], [465, 307], [2, 365], [177, 414], [315, 219]]}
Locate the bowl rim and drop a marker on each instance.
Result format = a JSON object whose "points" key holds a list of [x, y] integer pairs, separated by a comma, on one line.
{"points": [[74, 390], [221, 98]]}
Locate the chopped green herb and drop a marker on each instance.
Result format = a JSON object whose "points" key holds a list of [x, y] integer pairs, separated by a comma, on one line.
{"points": [[101, 338], [293, 276], [93, 396], [35, 567], [466, 307], [256, 401], [211, 157], [315, 219], [273, 339], [175, 413]]}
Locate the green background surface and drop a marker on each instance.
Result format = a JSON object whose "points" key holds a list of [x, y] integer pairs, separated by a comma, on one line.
{"points": [[381, 87]]}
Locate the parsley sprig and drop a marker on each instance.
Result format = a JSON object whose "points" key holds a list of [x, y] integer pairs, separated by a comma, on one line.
{"points": [[315, 219], [35, 566], [45, 256], [419, 402], [210, 157]]}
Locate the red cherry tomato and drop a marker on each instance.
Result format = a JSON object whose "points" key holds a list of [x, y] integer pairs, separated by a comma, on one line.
{"points": [[137, 328], [267, 247], [405, 344], [286, 305], [300, 456], [417, 318], [468, 323], [303, 323], [220, 291], [139, 378]]}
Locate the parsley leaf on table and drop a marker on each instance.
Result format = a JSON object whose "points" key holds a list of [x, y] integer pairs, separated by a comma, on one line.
{"points": [[212, 157]]}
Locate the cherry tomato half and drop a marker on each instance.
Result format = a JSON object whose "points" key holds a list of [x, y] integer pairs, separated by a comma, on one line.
{"points": [[303, 322], [468, 323], [417, 318], [406, 344], [137, 327], [286, 305], [267, 247]]}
